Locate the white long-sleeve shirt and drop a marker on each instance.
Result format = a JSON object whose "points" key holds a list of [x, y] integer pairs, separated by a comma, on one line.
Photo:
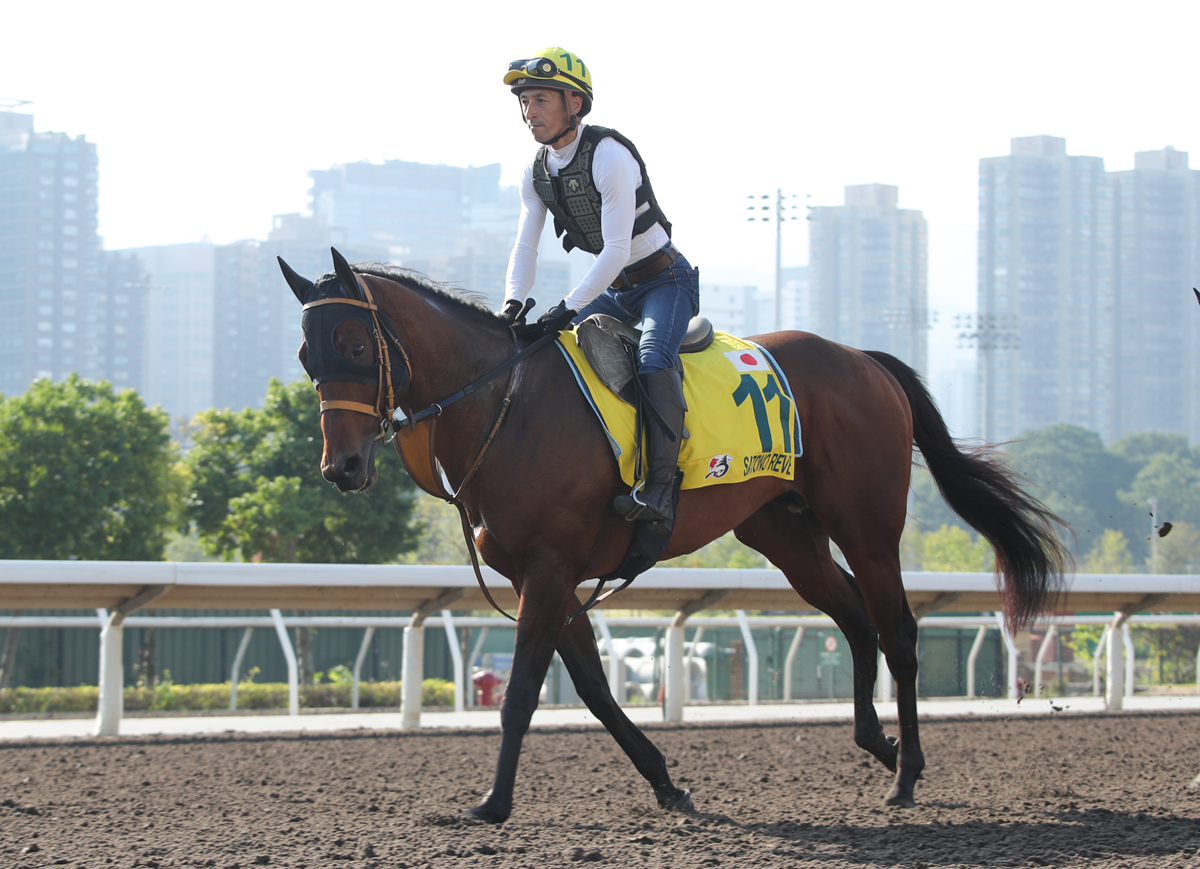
{"points": [[617, 179]]}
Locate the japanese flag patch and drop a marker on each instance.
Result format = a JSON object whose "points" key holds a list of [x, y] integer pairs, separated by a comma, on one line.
{"points": [[747, 359]]}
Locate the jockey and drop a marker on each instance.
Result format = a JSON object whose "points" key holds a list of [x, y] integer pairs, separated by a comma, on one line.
{"points": [[594, 182]]}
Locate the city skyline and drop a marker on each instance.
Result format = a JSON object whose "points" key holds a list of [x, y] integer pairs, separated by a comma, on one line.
{"points": [[849, 94], [871, 276]]}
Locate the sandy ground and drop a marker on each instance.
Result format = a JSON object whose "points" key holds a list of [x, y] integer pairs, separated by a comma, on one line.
{"points": [[1105, 791]]}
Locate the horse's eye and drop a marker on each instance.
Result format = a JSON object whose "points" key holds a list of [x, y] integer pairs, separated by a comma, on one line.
{"points": [[359, 350]]}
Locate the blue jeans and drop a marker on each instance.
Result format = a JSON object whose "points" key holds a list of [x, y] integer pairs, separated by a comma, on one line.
{"points": [[663, 304]]}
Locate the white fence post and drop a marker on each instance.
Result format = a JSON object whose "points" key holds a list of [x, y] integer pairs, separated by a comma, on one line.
{"points": [[1130, 660], [789, 663], [691, 657], [752, 654], [290, 654], [1014, 659], [1047, 641], [456, 658], [413, 676], [676, 675], [368, 635], [1114, 688], [237, 667], [1097, 657], [973, 659], [111, 703], [885, 682], [616, 664]]}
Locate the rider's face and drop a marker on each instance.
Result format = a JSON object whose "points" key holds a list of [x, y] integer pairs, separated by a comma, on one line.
{"points": [[546, 114]]}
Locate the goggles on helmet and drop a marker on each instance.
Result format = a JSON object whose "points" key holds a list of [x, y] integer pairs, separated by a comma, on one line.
{"points": [[544, 67]]}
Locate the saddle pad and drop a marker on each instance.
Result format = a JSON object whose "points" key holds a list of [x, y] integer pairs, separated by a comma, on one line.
{"points": [[741, 415]]}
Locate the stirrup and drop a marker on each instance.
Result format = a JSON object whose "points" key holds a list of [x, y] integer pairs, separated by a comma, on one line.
{"points": [[632, 513]]}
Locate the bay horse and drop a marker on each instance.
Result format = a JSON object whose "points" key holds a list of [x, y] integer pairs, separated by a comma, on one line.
{"points": [[527, 459]]}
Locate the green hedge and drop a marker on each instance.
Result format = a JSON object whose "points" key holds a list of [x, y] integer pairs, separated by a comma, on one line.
{"points": [[168, 696]]}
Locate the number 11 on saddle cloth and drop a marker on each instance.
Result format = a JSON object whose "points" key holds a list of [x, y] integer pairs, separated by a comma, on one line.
{"points": [[741, 418]]}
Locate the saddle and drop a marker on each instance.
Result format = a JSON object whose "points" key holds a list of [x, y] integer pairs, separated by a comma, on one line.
{"points": [[610, 347]]}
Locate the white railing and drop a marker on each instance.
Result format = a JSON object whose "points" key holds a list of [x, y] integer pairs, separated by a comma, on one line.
{"points": [[1118, 653]]}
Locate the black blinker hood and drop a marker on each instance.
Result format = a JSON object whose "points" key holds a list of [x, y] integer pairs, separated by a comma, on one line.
{"points": [[324, 362]]}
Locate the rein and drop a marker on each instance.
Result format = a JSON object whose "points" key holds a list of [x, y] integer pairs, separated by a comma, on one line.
{"points": [[418, 454]]}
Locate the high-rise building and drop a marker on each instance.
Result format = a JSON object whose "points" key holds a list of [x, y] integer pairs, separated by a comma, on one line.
{"points": [[732, 309], [868, 274], [113, 343], [1044, 294], [796, 300], [1155, 371], [49, 250], [408, 209], [179, 326]]}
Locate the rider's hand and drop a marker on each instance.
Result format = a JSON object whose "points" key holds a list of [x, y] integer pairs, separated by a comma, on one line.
{"points": [[513, 312], [552, 322]]}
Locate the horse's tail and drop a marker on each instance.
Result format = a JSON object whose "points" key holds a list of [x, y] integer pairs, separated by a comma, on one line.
{"points": [[981, 489]]}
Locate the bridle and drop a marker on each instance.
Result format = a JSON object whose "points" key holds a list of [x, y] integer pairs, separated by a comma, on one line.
{"points": [[415, 434]]}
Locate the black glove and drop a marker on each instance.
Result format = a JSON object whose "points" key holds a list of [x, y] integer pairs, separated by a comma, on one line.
{"points": [[514, 311], [552, 322]]}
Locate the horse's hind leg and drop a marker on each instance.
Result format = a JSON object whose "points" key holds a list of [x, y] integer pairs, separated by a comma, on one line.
{"points": [[577, 646], [798, 546]]}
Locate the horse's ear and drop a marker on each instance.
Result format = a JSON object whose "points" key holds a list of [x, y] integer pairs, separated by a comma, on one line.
{"points": [[346, 276], [301, 286]]}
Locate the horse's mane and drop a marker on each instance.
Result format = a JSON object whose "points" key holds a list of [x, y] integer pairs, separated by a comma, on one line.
{"points": [[472, 305]]}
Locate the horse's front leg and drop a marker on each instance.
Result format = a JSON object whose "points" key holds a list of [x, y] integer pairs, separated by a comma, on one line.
{"points": [[540, 621]]}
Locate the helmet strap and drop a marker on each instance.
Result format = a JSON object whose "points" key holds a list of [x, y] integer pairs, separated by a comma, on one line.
{"points": [[572, 124]]}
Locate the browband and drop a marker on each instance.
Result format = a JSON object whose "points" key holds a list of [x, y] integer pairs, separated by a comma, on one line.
{"points": [[341, 301]]}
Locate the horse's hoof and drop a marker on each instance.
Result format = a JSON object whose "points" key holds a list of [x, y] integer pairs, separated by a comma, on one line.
{"points": [[680, 801], [482, 814], [900, 801]]}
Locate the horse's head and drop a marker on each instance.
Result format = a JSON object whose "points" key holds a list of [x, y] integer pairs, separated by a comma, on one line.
{"points": [[341, 354]]}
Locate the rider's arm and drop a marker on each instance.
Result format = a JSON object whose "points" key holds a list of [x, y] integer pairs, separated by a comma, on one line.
{"points": [[522, 265], [617, 178]]}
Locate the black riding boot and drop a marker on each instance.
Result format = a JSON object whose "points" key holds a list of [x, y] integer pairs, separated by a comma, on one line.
{"points": [[655, 502]]}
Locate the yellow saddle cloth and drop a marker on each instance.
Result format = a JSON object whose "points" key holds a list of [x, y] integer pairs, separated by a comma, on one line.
{"points": [[741, 417]]}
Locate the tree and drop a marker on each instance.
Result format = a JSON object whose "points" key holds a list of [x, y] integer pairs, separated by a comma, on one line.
{"points": [[929, 508], [726, 551], [1179, 551], [85, 473], [439, 528], [257, 490], [951, 549], [1109, 554], [1076, 477], [1174, 479], [1141, 447]]}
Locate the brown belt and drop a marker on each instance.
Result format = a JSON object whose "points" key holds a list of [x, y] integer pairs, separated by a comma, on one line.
{"points": [[655, 264]]}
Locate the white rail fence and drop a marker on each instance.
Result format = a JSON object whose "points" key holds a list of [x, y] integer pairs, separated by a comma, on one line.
{"points": [[1115, 650]]}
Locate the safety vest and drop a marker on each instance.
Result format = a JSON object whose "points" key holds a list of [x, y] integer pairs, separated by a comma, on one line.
{"points": [[574, 201]]}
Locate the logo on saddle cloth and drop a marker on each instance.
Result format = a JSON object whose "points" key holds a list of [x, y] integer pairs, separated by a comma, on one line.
{"points": [[718, 466], [741, 419]]}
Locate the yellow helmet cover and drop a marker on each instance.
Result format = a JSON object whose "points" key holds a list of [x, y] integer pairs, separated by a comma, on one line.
{"points": [[553, 67]]}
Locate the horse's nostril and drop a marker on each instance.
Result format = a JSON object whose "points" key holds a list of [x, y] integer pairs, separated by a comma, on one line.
{"points": [[350, 466]]}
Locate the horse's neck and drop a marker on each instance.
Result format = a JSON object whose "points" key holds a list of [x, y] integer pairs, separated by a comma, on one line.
{"points": [[447, 351]]}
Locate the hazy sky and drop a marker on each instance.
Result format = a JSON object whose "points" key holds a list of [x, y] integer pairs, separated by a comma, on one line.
{"points": [[209, 115]]}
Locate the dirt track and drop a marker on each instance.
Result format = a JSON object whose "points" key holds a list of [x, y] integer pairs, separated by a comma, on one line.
{"points": [[1062, 792]]}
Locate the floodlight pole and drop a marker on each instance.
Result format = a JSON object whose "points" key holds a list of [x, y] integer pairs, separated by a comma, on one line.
{"points": [[778, 258], [779, 218]]}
